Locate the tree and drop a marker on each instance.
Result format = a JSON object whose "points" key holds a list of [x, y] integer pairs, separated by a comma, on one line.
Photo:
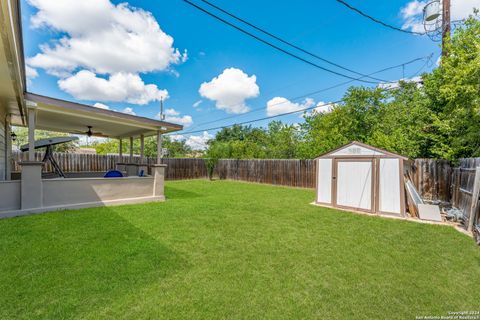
{"points": [[398, 120], [282, 140], [244, 142], [215, 152], [454, 93], [22, 138], [353, 119], [176, 149], [404, 123]]}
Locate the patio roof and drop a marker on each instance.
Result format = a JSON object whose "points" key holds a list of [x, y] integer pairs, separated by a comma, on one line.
{"points": [[12, 68], [64, 116]]}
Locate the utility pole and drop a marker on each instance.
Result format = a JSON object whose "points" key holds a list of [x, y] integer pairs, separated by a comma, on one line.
{"points": [[162, 115], [445, 26]]}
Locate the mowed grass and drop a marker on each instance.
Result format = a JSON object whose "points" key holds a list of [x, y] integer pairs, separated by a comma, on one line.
{"points": [[232, 250]]}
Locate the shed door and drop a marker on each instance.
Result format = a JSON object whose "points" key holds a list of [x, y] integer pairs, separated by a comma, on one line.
{"points": [[354, 184], [389, 186]]}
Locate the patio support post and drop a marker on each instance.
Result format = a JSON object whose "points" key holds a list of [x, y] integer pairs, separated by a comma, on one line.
{"points": [[120, 148], [130, 167], [31, 130], [131, 150], [31, 189], [158, 172], [142, 147], [120, 165], [8, 147], [159, 147]]}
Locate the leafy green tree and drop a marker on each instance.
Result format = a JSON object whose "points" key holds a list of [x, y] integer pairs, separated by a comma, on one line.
{"points": [[176, 149], [404, 123], [454, 93], [22, 138], [282, 141], [215, 152], [397, 120]]}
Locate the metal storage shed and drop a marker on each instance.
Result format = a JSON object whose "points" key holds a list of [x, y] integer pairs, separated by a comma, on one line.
{"points": [[360, 177]]}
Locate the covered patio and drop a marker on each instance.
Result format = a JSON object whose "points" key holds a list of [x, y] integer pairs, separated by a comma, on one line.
{"points": [[35, 193], [32, 192], [57, 115]]}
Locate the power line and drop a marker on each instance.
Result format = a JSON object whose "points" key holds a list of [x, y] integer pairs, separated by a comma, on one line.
{"points": [[378, 21], [274, 116], [427, 58], [287, 42], [273, 45], [264, 118]]}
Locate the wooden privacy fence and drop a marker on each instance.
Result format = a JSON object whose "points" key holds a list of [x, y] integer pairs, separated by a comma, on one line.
{"points": [[177, 169], [295, 173], [438, 180], [463, 187], [434, 179]]}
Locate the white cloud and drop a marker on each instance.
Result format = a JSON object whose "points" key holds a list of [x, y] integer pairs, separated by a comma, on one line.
{"points": [[185, 121], [102, 50], [30, 72], [127, 87], [197, 103], [324, 107], [461, 9], [412, 13], [102, 37], [396, 84], [101, 106], [279, 105], [128, 110], [413, 8], [194, 142], [199, 142], [230, 89], [172, 115], [171, 112]]}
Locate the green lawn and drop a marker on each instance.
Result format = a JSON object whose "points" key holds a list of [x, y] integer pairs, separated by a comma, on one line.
{"points": [[232, 250]]}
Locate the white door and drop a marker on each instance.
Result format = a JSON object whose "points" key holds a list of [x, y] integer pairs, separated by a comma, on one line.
{"points": [[389, 186], [324, 181], [354, 184]]}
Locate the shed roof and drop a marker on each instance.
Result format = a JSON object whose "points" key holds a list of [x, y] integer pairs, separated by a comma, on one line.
{"points": [[346, 151]]}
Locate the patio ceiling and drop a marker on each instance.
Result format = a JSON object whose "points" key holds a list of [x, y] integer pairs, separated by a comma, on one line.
{"points": [[12, 72], [64, 116]]}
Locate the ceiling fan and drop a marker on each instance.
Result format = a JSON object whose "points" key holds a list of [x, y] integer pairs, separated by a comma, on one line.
{"points": [[90, 133]]}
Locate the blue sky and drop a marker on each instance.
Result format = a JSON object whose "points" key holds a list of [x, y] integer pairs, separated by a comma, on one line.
{"points": [[203, 48]]}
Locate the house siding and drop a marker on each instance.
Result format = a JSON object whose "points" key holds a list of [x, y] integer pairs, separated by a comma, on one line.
{"points": [[3, 163]]}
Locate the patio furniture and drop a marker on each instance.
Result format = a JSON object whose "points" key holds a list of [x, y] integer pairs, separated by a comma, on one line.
{"points": [[48, 144], [113, 174]]}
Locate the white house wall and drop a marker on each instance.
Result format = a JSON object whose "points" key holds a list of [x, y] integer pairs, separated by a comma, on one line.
{"points": [[3, 148], [324, 179], [389, 186]]}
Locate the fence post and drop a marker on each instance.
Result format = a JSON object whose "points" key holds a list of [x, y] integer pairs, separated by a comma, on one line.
{"points": [[475, 195]]}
